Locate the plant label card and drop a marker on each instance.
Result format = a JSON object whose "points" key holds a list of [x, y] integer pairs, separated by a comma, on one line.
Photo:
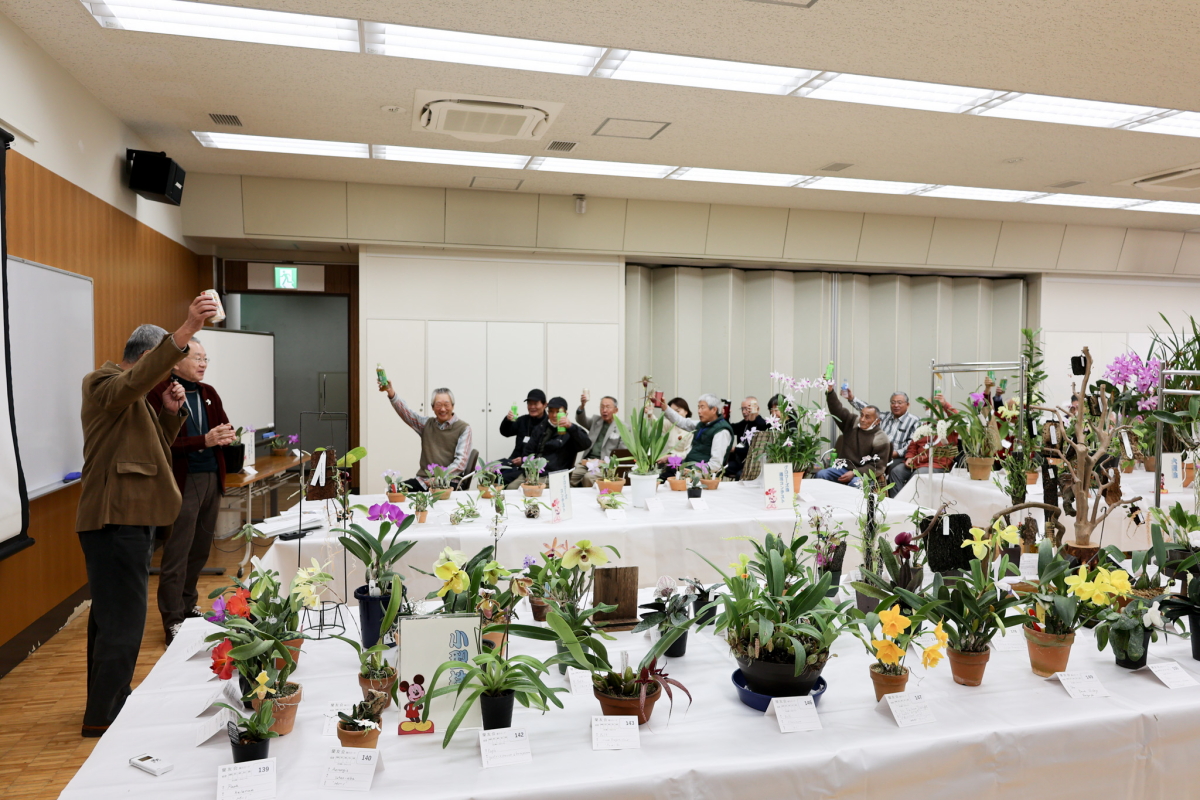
{"points": [[505, 746], [615, 733], [793, 714], [559, 495], [1010, 642], [615, 514], [424, 643], [211, 726], [228, 692], [698, 503], [331, 717], [1029, 565], [1173, 675], [778, 487], [580, 681], [654, 504], [1125, 444], [350, 769], [1081, 684], [910, 708], [250, 780], [1172, 471]]}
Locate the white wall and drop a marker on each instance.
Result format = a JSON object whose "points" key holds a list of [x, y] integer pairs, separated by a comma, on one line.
{"points": [[61, 126], [1109, 315], [576, 303]]}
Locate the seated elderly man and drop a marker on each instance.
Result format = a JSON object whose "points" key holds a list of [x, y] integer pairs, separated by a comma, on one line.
{"points": [[712, 435], [751, 421], [555, 438], [602, 432], [445, 439], [899, 425], [861, 443]]}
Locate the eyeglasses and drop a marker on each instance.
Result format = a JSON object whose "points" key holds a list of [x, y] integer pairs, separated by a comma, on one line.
{"points": [[198, 359]]}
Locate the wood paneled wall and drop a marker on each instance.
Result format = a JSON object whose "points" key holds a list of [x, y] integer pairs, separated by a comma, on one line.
{"points": [[140, 276]]}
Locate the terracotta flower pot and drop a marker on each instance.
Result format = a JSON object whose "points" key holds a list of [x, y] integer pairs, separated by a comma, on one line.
{"points": [[1127, 468], [1189, 474], [487, 493], [613, 487], [677, 484], [710, 483], [980, 468], [532, 490], [422, 516], [1031, 478], [279, 451], [628, 706], [284, 710], [797, 479], [888, 684], [539, 607], [967, 668], [1048, 652], [368, 738], [1150, 463], [440, 494], [396, 497], [294, 646], [378, 684], [496, 640]]}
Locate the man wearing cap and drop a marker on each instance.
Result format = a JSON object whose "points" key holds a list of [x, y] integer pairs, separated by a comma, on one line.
{"points": [[522, 426], [555, 438]]}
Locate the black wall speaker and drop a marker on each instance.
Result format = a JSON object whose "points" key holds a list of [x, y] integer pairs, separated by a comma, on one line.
{"points": [[154, 176]]}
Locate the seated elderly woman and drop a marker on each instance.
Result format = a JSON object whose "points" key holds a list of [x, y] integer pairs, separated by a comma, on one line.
{"points": [[445, 439], [712, 436]]}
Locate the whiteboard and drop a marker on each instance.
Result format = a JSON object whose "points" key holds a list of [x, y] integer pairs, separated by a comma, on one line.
{"points": [[241, 367], [51, 331]]}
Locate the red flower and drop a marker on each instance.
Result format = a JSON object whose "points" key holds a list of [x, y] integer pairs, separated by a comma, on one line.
{"points": [[239, 605], [222, 664]]}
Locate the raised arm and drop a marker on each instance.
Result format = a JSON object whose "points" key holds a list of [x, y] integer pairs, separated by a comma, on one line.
{"points": [[411, 418], [678, 420], [131, 385], [844, 415]]}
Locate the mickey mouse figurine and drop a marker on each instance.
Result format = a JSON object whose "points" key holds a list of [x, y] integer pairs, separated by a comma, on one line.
{"points": [[412, 723]]}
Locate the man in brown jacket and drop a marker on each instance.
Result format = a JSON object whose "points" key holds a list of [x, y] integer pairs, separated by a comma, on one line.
{"points": [[127, 490]]}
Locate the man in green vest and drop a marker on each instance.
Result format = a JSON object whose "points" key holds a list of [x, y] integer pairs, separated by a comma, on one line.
{"points": [[711, 438], [445, 439]]}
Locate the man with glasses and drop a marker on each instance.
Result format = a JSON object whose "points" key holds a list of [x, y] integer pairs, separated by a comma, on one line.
{"points": [[199, 468], [898, 425], [445, 439], [751, 421]]}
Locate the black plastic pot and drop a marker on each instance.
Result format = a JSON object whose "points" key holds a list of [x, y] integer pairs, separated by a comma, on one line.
{"points": [[1141, 662], [678, 647], [496, 711], [371, 611], [694, 491], [251, 751], [700, 603], [1194, 627], [864, 603], [776, 679], [234, 455], [562, 648], [835, 579]]}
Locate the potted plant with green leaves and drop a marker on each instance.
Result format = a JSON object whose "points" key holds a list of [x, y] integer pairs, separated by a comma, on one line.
{"points": [[903, 567], [250, 737], [379, 554], [702, 597], [421, 503], [396, 491], [606, 473], [710, 476], [462, 579], [465, 511], [888, 634], [978, 433], [374, 671], [1130, 631], [281, 443], [1187, 604], [692, 475], [532, 485], [829, 544], [531, 507], [439, 481], [667, 611], [647, 440], [489, 480], [798, 439], [610, 501], [362, 725]]}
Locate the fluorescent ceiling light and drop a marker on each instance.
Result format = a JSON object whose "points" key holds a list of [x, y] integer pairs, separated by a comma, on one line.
{"points": [[737, 176], [974, 193], [232, 23], [705, 73], [618, 168], [1069, 111], [1169, 207], [1085, 201], [900, 94], [1186, 123], [859, 185], [271, 144], [462, 158], [430, 44]]}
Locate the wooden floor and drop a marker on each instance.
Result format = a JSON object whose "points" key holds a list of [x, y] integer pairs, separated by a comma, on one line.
{"points": [[42, 700]]}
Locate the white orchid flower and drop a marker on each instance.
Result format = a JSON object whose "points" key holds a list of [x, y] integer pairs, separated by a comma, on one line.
{"points": [[664, 588], [1153, 618], [943, 427]]}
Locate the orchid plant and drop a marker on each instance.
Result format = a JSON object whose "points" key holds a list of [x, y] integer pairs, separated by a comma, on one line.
{"points": [[254, 728], [466, 509], [461, 579], [1065, 601], [798, 439], [607, 469], [421, 501], [281, 441], [488, 477], [378, 552], [610, 501], [394, 481], [669, 608], [366, 715], [904, 565], [1127, 629], [888, 634], [830, 535], [644, 435], [439, 477], [533, 469], [372, 663]]}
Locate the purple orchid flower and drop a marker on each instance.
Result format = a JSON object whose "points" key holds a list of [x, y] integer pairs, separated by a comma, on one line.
{"points": [[528, 562], [218, 611], [702, 466], [977, 399], [386, 512], [293, 439], [748, 435], [674, 461]]}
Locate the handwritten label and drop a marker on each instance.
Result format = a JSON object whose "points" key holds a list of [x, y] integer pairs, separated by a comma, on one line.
{"points": [[1173, 675], [1125, 444], [1053, 435], [698, 503], [1029, 565], [1011, 642], [794, 714], [910, 708], [350, 769], [615, 514], [946, 525], [580, 681], [331, 717], [211, 726], [1081, 684], [615, 733], [228, 692], [504, 746], [250, 780], [654, 504]]}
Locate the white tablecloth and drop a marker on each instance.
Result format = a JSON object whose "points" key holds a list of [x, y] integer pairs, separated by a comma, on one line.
{"points": [[982, 499], [658, 543], [1016, 736]]}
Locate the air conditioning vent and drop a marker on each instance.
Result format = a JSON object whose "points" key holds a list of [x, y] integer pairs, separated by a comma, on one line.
{"points": [[1180, 180], [496, 184], [836, 166], [792, 3], [226, 119], [558, 146], [1066, 184]]}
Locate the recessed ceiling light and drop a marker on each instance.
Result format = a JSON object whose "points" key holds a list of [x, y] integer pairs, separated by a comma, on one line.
{"points": [[860, 185], [1185, 123], [899, 94], [232, 23], [1169, 207], [272, 144], [1085, 201], [460, 158], [705, 73], [1068, 111], [974, 193], [431, 44], [622, 169], [740, 177]]}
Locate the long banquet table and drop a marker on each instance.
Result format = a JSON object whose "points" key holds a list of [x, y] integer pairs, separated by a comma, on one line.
{"points": [[658, 543], [1016, 736]]}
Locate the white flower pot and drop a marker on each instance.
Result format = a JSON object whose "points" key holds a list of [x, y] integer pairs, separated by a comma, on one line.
{"points": [[642, 487]]}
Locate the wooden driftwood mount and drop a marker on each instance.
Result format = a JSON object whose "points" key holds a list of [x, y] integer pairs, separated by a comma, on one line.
{"points": [[617, 586]]}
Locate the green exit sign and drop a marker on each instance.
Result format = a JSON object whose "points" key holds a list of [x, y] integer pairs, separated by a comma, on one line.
{"points": [[286, 278]]}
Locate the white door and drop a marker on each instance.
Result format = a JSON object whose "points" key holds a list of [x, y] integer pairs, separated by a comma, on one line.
{"points": [[582, 356], [399, 347], [456, 358], [516, 354]]}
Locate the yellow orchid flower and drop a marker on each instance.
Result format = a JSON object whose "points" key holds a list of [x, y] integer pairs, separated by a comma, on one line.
{"points": [[1119, 580], [1074, 580], [584, 556], [521, 586], [1008, 535], [978, 544], [887, 651], [941, 635], [261, 689], [457, 582], [930, 656], [493, 572], [741, 566], [448, 563], [893, 622]]}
